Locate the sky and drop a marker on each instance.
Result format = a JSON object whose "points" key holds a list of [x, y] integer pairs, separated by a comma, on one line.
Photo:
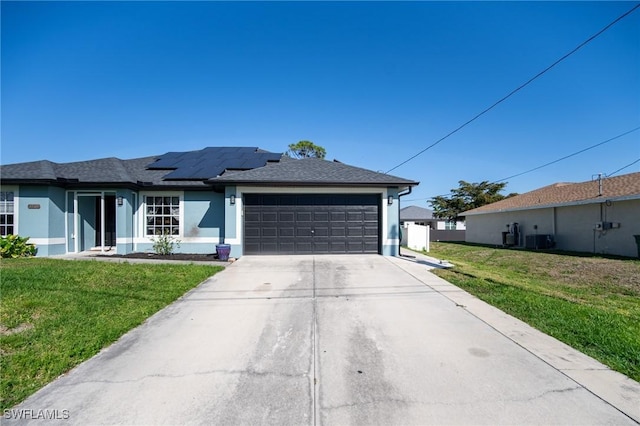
{"points": [[374, 83]]}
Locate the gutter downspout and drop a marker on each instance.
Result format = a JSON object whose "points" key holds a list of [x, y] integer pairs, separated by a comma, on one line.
{"points": [[401, 195]]}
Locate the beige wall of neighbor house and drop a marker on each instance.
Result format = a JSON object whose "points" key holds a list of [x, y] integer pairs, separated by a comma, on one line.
{"points": [[488, 228], [574, 227]]}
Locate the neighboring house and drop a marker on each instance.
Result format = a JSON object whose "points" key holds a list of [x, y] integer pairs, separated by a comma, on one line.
{"points": [[421, 216], [256, 201], [599, 216]]}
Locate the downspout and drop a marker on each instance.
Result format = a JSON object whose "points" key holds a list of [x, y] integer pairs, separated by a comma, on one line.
{"points": [[401, 195]]}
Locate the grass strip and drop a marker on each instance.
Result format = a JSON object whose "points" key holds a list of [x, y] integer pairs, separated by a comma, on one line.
{"points": [[56, 314], [589, 303]]}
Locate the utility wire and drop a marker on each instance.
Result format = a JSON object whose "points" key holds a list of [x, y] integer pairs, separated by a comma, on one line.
{"points": [[569, 156], [556, 161], [513, 92], [622, 168]]}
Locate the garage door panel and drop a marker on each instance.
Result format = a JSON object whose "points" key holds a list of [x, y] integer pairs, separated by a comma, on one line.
{"points": [[321, 247], [311, 223], [288, 231], [370, 247], [269, 217], [338, 216], [304, 231], [321, 231], [354, 216], [371, 216], [354, 231], [321, 217], [287, 247], [286, 216], [338, 231], [269, 231], [303, 217], [370, 231], [252, 217], [252, 232], [338, 247], [304, 247]]}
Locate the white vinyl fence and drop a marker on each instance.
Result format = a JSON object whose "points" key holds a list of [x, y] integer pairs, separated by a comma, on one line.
{"points": [[415, 237]]}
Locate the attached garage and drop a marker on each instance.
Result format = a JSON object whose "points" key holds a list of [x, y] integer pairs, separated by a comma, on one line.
{"points": [[311, 223], [311, 206]]}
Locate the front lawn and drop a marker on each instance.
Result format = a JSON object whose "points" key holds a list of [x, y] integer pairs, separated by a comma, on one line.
{"points": [[55, 314], [590, 303]]}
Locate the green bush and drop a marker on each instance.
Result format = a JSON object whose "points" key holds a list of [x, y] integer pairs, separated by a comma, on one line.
{"points": [[165, 244], [14, 246]]}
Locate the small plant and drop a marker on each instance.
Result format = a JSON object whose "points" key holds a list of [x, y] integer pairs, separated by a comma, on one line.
{"points": [[14, 246], [165, 244]]}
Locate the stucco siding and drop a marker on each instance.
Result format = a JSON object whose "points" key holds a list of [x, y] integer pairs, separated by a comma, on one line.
{"points": [[573, 227], [203, 214], [125, 221], [580, 223], [488, 228], [40, 216]]}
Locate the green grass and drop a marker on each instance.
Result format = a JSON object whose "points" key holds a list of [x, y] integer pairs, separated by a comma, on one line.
{"points": [[55, 314], [590, 303]]}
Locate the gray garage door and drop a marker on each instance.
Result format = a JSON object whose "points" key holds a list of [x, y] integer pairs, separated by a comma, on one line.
{"points": [[311, 224]]}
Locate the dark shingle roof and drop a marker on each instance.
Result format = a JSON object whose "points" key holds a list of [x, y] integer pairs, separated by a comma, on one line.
{"points": [[415, 213], [558, 194], [185, 170], [311, 171], [174, 169], [102, 171]]}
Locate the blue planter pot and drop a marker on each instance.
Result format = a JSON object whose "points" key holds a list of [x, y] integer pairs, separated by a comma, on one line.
{"points": [[223, 251]]}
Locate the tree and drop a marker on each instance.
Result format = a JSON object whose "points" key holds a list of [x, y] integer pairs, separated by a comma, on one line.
{"points": [[466, 197], [305, 149]]}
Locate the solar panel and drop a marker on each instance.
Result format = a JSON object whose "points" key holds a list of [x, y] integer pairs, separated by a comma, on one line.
{"points": [[211, 162]]}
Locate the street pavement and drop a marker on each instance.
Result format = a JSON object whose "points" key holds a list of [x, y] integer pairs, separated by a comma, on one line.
{"points": [[334, 340]]}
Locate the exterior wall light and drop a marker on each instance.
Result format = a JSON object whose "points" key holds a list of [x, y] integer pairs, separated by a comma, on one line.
{"points": [[390, 200], [232, 199], [120, 200]]}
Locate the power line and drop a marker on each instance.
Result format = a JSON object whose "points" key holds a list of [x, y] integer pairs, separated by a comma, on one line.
{"points": [[518, 88], [569, 156], [622, 168], [556, 161]]}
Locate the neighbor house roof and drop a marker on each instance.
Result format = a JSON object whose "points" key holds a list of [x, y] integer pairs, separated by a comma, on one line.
{"points": [[415, 213], [311, 172], [562, 194]]}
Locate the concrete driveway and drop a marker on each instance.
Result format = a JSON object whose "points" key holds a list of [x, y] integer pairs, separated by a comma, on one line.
{"points": [[334, 340]]}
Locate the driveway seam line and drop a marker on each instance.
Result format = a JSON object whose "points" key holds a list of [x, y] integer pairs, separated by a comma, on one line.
{"points": [[314, 382]]}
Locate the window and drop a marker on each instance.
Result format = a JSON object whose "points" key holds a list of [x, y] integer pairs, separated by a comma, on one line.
{"points": [[162, 215], [6, 213], [450, 225]]}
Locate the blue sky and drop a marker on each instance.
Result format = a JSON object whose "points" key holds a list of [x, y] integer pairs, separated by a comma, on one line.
{"points": [[372, 82]]}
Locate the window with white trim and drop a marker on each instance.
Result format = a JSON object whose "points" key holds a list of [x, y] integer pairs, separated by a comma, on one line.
{"points": [[450, 225], [7, 212], [162, 216]]}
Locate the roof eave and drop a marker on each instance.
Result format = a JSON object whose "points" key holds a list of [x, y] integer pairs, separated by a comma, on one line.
{"points": [[312, 183]]}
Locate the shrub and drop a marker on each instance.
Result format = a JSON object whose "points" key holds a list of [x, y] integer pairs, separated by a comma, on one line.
{"points": [[165, 244], [14, 246]]}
